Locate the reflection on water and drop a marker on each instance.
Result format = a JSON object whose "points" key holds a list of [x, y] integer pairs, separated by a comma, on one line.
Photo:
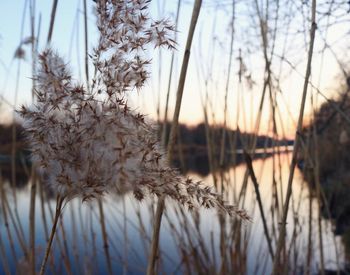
{"points": [[190, 242]]}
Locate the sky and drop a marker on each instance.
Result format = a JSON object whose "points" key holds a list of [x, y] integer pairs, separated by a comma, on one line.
{"points": [[209, 61]]}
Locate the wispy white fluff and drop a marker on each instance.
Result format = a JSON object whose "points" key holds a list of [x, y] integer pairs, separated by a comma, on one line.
{"points": [[88, 146]]}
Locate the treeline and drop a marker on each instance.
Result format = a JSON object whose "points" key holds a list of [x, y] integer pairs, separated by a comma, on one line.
{"points": [[192, 146], [191, 150], [327, 161], [196, 136]]}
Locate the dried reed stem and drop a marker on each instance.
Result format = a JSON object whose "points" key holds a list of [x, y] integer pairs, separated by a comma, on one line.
{"points": [[3, 258], [282, 231], [125, 236], [65, 256], [4, 206], [165, 121], [248, 160], [222, 150], [75, 237], [43, 212], [86, 46], [59, 203], [52, 20], [33, 188], [173, 132], [155, 237], [32, 223], [105, 236], [319, 200]]}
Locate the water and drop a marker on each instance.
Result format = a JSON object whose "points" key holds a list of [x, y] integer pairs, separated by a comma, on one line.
{"points": [[190, 242]]}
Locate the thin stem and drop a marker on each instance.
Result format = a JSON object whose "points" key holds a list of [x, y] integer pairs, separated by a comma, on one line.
{"points": [[282, 231], [173, 132], [105, 236], [258, 197], [33, 183], [165, 121], [222, 150], [32, 223], [65, 256], [59, 203], [155, 237], [319, 199], [52, 21], [125, 235], [86, 46], [3, 258], [6, 222]]}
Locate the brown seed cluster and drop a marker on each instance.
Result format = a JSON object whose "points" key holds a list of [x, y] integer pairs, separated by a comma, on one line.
{"points": [[90, 142]]}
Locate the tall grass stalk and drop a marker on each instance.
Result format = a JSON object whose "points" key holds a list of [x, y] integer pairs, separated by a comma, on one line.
{"points": [[59, 205], [105, 236], [319, 200], [14, 130], [93, 239], [33, 189], [173, 132], [3, 257], [32, 222], [86, 52], [125, 236], [205, 102], [160, 9], [165, 120], [282, 231], [11, 219], [223, 137], [60, 240], [310, 239], [66, 257], [6, 222], [52, 20], [142, 229], [252, 146], [3, 254], [75, 240], [336, 248], [258, 197], [43, 212]]}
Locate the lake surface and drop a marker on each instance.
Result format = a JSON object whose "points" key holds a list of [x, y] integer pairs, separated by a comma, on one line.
{"points": [[190, 242]]}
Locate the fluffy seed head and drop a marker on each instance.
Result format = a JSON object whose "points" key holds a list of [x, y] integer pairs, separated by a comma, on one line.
{"points": [[87, 145]]}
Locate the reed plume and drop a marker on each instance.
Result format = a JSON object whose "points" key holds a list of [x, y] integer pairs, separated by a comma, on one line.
{"points": [[88, 141]]}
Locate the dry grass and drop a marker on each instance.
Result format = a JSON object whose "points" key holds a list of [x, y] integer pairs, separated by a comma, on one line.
{"points": [[88, 142]]}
